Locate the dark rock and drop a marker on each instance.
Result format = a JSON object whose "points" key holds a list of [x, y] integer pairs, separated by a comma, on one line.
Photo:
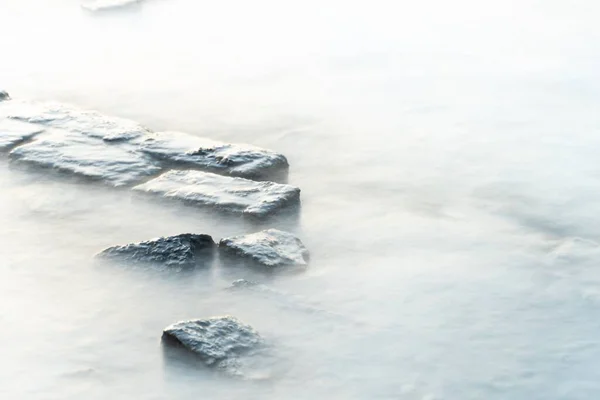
{"points": [[271, 248], [175, 252], [4, 95], [217, 341]]}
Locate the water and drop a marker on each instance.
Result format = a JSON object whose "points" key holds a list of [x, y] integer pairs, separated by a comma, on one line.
{"points": [[447, 155]]}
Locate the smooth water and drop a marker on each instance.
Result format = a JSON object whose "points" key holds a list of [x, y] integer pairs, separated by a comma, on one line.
{"points": [[448, 158]]}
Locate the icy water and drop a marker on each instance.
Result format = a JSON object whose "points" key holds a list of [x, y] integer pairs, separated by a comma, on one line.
{"points": [[447, 154]]}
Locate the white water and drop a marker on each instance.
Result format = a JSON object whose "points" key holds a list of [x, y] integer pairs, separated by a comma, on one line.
{"points": [[448, 158]]}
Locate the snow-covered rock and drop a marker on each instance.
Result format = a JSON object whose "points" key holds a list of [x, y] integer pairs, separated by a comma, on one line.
{"points": [[235, 195], [217, 341], [271, 248], [174, 252], [240, 160]]}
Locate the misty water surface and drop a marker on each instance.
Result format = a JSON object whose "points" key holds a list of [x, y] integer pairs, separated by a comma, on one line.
{"points": [[447, 154]]}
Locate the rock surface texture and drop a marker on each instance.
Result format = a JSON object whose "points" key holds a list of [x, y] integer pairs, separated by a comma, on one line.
{"points": [[82, 143], [121, 152], [271, 248], [182, 251], [234, 195], [84, 122], [13, 133], [217, 341], [244, 283], [239, 160], [88, 157]]}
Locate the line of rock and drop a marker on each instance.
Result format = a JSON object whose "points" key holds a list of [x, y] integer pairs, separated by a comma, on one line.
{"points": [[271, 249], [218, 341], [232, 178]]}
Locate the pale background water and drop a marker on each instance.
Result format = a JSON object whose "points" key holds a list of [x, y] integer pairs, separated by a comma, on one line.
{"points": [[448, 155]]}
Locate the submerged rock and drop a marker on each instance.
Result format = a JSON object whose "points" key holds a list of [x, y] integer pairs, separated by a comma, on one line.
{"points": [[271, 248], [89, 157], [238, 160], [84, 122], [244, 283], [13, 133], [182, 251], [218, 341], [103, 5], [235, 195]]}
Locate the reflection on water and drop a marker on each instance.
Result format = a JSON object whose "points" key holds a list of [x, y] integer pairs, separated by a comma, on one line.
{"points": [[447, 156]]}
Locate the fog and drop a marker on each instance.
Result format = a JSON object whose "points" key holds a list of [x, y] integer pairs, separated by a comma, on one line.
{"points": [[447, 156]]}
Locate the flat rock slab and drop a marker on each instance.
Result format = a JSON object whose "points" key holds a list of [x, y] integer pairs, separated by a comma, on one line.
{"points": [[121, 152], [89, 157], [84, 122], [239, 160], [174, 252], [217, 341], [79, 142], [271, 248], [13, 133], [235, 195]]}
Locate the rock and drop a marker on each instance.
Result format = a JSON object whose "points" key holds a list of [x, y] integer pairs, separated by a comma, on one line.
{"points": [[83, 122], [89, 157], [4, 95], [104, 5], [271, 248], [244, 283], [13, 133], [182, 251], [234, 195], [81, 142], [240, 160], [218, 341], [121, 152]]}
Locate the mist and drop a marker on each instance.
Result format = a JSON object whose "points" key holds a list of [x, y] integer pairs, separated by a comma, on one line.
{"points": [[447, 156]]}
